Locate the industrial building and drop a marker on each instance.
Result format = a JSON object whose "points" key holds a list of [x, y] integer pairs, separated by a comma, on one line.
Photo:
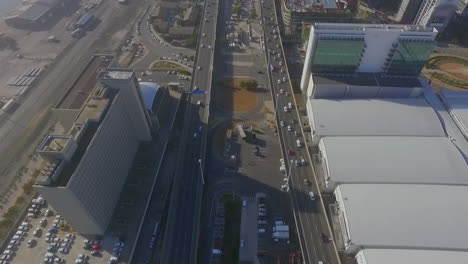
{"points": [[372, 117], [347, 49], [436, 13], [402, 216], [103, 124], [391, 160], [37, 13], [410, 256]]}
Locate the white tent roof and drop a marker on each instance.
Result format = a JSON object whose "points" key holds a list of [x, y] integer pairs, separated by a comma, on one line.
{"points": [[405, 216], [408, 256], [375, 117], [148, 91], [416, 160]]}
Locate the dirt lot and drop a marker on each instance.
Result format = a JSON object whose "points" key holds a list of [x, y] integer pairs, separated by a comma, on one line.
{"points": [[455, 70], [231, 97], [448, 72]]}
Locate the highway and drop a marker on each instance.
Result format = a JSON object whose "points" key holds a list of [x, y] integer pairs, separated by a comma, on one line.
{"points": [[310, 216], [181, 237]]}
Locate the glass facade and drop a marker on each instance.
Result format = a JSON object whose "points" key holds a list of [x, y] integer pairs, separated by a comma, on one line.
{"points": [[409, 57], [338, 55]]}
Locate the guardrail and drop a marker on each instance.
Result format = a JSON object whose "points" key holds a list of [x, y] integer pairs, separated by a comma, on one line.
{"points": [[304, 140]]}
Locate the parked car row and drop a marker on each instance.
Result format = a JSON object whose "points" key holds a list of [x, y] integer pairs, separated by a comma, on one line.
{"points": [[262, 214]]}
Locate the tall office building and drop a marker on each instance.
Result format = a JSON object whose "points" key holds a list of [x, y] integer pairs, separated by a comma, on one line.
{"points": [[347, 49], [436, 13], [103, 123]]}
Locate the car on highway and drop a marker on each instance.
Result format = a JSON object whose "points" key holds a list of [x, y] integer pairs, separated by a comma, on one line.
{"points": [[279, 81], [312, 195], [204, 35], [260, 72], [285, 109], [242, 243], [202, 45], [298, 143], [262, 222], [281, 90], [282, 123], [209, 46], [307, 182], [289, 128], [289, 105], [199, 68]]}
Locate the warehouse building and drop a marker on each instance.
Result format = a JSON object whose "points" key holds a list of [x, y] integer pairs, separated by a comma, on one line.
{"points": [[410, 256], [399, 216], [88, 163], [372, 117], [37, 13], [347, 49], [391, 160]]}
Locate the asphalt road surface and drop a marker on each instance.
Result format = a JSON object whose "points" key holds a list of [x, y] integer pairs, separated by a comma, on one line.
{"points": [[181, 236], [309, 215]]}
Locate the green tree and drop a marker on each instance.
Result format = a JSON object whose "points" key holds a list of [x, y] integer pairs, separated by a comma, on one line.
{"points": [[253, 14]]}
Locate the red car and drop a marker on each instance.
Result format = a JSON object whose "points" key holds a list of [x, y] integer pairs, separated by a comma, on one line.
{"points": [[290, 152]]}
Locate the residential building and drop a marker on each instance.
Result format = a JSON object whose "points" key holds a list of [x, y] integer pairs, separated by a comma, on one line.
{"points": [[103, 124], [436, 13]]}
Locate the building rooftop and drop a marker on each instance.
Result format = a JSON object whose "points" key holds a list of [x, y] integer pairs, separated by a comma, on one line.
{"points": [[405, 216], [374, 117], [54, 143], [116, 74], [364, 27], [399, 160], [366, 79], [408, 256]]}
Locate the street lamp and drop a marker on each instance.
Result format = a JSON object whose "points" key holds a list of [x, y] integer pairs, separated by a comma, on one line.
{"points": [[201, 171]]}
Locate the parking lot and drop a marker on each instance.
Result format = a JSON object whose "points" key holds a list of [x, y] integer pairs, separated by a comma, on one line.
{"points": [[44, 237]]}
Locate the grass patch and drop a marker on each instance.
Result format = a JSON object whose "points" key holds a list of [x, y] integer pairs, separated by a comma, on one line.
{"points": [[232, 220], [168, 65]]}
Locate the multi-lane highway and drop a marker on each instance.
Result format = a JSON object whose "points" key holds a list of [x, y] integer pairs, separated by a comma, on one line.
{"points": [[309, 215], [181, 236]]}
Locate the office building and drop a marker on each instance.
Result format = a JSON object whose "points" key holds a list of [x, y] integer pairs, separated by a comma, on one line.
{"points": [[103, 123], [436, 13], [346, 49], [297, 13]]}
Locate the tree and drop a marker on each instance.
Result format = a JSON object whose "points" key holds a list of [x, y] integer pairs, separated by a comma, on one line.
{"points": [[253, 14], [249, 85]]}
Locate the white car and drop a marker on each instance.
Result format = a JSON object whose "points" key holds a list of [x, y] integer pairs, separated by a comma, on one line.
{"points": [[289, 128], [284, 79], [242, 243], [282, 123], [290, 105], [298, 143], [202, 45], [281, 63], [279, 81], [199, 68], [285, 109], [311, 196], [281, 91]]}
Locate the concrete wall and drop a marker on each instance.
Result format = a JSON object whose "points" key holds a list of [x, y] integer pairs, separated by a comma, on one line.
{"points": [[101, 174], [65, 202], [134, 104]]}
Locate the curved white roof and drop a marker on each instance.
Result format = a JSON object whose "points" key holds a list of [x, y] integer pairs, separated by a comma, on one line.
{"points": [[148, 91], [403, 160], [405, 216], [408, 256], [375, 117]]}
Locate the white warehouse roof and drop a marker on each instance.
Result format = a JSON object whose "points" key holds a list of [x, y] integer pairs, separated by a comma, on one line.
{"points": [[375, 117], [405, 216], [416, 160], [408, 256]]}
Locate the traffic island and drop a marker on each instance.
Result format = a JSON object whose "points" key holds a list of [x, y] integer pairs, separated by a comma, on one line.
{"points": [[232, 221]]}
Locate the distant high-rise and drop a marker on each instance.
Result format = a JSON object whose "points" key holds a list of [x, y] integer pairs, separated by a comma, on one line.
{"points": [[88, 163], [347, 49], [436, 13]]}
